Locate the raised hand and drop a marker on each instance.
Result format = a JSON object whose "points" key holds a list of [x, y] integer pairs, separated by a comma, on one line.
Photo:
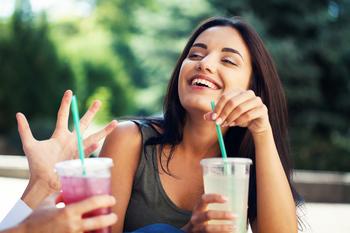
{"points": [[42, 155], [241, 108], [201, 215]]}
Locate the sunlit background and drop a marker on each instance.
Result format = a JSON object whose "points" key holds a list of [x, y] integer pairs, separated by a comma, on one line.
{"points": [[123, 52]]}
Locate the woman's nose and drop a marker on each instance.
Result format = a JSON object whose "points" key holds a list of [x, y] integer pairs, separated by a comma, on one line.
{"points": [[206, 64]]}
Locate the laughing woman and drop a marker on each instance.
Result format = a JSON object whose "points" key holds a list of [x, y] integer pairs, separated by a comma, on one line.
{"points": [[157, 176]]}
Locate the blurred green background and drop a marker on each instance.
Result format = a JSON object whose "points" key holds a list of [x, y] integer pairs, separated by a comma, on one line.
{"points": [[123, 51]]}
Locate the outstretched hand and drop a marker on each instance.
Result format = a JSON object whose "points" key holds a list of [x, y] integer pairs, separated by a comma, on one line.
{"points": [[42, 155]]}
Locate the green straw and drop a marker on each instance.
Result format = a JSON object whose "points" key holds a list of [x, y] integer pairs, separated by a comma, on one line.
{"points": [[227, 170], [219, 133], [75, 112]]}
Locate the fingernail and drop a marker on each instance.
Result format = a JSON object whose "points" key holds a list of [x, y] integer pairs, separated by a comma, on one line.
{"points": [[214, 116], [232, 124], [224, 198], [218, 121], [224, 124]]}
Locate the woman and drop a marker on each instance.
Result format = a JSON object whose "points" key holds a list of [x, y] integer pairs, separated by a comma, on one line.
{"points": [[158, 178]]}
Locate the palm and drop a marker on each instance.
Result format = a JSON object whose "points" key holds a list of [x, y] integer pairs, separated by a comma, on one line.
{"points": [[42, 163]]}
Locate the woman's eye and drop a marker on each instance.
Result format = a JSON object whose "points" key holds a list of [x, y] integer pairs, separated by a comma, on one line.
{"points": [[195, 56], [228, 61]]}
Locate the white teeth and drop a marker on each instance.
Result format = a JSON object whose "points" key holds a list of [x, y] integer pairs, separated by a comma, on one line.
{"points": [[197, 81]]}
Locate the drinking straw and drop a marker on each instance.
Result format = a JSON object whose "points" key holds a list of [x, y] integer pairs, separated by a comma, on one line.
{"points": [[219, 133], [227, 170], [75, 112]]}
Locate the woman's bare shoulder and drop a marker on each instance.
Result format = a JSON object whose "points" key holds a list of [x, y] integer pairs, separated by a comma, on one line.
{"points": [[126, 138]]}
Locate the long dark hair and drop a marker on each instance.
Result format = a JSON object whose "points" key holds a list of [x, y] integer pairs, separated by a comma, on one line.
{"points": [[264, 82]]}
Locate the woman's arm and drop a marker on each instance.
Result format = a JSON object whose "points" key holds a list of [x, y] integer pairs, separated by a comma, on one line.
{"points": [[123, 145], [276, 210]]}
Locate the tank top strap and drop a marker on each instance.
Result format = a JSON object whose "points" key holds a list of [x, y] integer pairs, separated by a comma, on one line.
{"points": [[148, 152]]}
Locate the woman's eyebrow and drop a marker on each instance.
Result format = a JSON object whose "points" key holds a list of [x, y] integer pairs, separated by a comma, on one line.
{"points": [[200, 45], [231, 50]]}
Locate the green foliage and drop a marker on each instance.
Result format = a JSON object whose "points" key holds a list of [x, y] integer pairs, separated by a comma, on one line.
{"points": [[88, 48], [105, 96], [117, 17], [39, 60], [33, 78]]}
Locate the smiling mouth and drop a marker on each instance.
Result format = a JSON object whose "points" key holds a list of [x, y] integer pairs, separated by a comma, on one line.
{"points": [[204, 83]]}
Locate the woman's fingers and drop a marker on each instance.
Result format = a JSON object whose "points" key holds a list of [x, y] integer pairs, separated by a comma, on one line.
{"points": [[201, 216], [89, 150], [221, 104], [89, 115], [91, 142], [243, 108], [213, 215], [63, 111], [247, 117], [207, 199], [96, 137], [99, 222], [228, 102], [225, 98], [92, 203], [222, 228], [23, 129]]}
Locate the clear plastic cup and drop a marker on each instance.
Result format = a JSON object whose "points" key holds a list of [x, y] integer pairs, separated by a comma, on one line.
{"points": [[76, 187], [229, 178]]}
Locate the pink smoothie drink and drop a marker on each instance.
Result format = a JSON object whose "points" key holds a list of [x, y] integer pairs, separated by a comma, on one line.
{"points": [[76, 187]]}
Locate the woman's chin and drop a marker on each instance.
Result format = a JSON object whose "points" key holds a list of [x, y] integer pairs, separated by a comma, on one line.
{"points": [[197, 105]]}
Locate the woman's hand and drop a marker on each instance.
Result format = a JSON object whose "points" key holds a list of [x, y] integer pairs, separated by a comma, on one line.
{"points": [[241, 108], [69, 219], [201, 215], [42, 155]]}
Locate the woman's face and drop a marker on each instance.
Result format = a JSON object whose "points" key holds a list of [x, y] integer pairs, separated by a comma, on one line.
{"points": [[218, 62]]}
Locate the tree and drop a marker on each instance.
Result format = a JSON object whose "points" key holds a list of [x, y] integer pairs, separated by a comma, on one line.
{"points": [[33, 78]]}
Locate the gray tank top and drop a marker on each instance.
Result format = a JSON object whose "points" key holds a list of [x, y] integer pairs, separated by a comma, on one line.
{"points": [[149, 203]]}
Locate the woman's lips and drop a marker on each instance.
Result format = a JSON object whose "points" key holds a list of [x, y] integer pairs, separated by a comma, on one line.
{"points": [[204, 81]]}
